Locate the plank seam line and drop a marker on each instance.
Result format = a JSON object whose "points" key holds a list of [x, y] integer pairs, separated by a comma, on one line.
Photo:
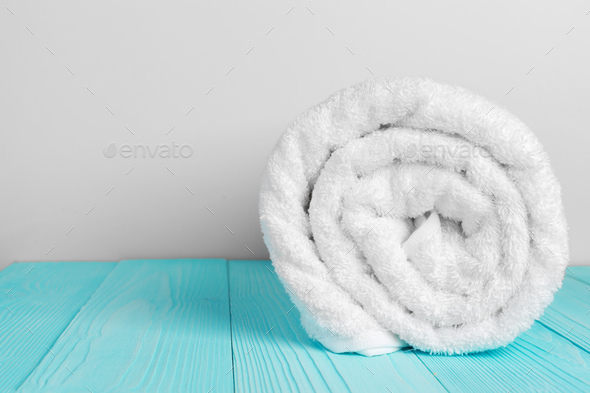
{"points": [[431, 372], [580, 280], [564, 337], [65, 328], [231, 331]]}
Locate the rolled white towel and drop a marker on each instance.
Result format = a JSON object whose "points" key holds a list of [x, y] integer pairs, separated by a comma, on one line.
{"points": [[403, 211]]}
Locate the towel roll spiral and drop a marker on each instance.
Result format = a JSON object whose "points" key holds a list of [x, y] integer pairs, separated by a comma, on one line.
{"points": [[402, 211]]}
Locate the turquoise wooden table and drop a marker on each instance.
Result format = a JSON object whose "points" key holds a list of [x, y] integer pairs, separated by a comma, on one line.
{"points": [[211, 325]]}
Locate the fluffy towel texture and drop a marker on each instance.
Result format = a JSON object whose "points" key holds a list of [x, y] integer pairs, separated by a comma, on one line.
{"points": [[403, 210]]}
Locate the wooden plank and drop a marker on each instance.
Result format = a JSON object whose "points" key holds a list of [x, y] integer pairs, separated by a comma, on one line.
{"points": [[569, 314], [37, 302], [581, 273], [153, 325], [539, 360], [273, 353]]}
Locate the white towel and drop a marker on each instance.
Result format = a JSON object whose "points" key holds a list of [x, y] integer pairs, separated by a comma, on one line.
{"points": [[406, 212]]}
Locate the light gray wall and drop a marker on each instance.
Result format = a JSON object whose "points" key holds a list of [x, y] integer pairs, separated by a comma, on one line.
{"points": [[63, 63]]}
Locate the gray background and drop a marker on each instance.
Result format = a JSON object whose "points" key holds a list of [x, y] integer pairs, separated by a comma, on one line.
{"points": [[77, 76]]}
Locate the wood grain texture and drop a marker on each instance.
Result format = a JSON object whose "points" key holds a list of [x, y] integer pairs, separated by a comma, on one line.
{"points": [[581, 273], [273, 353], [157, 326], [37, 302], [538, 360], [569, 314], [172, 325]]}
